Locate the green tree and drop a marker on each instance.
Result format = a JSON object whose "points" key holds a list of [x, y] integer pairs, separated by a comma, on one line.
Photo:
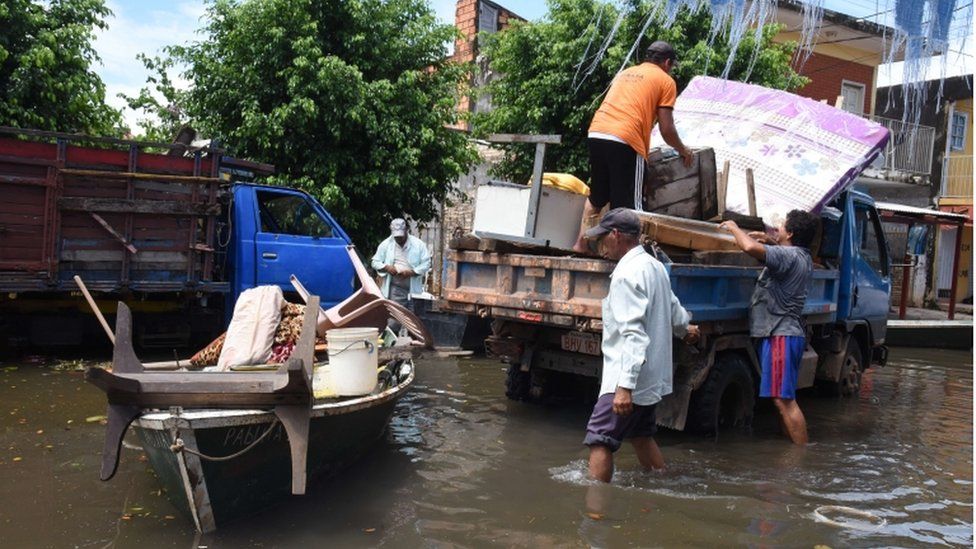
{"points": [[349, 99], [160, 101], [542, 89], [46, 53]]}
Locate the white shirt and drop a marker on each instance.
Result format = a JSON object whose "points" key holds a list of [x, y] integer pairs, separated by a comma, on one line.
{"points": [[640, 316]]}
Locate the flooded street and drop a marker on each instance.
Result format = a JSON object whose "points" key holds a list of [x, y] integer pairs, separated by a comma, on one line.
{"points": [[461, 466]]}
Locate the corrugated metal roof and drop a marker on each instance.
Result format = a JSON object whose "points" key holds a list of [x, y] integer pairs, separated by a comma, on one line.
{"points": [[913, 211]]}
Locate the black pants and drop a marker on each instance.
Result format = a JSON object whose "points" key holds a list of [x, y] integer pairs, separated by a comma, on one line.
{"points": [[616, 175]]}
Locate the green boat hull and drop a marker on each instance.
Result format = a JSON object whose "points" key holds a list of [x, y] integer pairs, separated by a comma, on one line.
{"points": [[213, 493]]}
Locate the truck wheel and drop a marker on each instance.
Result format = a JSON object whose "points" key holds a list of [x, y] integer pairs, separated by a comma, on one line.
{"points": [[726, 399], [849, 383], [517, 382]]}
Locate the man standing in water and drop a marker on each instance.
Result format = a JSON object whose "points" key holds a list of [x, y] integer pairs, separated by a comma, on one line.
{"points": [[640, 317], [775, 313], [620, 133]]}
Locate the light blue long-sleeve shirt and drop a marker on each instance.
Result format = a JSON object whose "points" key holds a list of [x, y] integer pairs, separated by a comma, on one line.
{"points": [[641, 315], [417, 255]]}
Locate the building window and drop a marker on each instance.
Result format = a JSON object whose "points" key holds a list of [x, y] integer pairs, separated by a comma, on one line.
{"points": [[853, 94], [487, 18], [957, 131]]}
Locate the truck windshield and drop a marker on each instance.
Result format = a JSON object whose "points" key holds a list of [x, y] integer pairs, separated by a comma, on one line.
{"points": [[285, 213]]}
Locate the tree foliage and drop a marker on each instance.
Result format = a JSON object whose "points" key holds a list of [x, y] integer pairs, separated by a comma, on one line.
{"points": [[161, 101], [348, 98], [538, 62], [46, 53]]}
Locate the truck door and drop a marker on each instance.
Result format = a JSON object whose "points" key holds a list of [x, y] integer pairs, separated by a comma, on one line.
{"points": [[871, 271], [297, 236]]}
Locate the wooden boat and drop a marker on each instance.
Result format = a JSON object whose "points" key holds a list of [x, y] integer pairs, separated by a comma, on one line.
{"points": [[182, 446], [226, 445]]}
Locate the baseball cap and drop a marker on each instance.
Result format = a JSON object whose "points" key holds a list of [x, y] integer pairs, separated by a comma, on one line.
{"points": [[398, 227], [622, 219], [661, 50]]}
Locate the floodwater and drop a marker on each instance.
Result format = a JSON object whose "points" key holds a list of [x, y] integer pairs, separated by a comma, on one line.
{"points": [[463, 467]]}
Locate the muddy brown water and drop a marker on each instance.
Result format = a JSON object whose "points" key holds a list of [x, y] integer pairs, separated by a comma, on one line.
{"points": [[461, 466]]}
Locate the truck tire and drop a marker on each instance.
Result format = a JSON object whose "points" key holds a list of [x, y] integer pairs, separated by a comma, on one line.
{"points": [[849, 382], [726, 399], [517, 382]]}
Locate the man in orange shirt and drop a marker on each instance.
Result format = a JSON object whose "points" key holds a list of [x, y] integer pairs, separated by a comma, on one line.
{"points": [[620, 133]]}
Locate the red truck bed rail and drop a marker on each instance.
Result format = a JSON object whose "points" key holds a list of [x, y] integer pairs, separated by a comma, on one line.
{"points": [[105, 209]]}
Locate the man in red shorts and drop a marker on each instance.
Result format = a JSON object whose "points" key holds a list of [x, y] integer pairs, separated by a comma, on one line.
{"points": [[775, 313]]}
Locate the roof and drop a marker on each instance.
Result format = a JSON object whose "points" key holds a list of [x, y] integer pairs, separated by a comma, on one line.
{"points": [[840, 28], [912, 213]]}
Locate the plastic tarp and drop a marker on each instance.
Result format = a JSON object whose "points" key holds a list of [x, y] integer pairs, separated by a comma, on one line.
{"points": [[802, 152]]}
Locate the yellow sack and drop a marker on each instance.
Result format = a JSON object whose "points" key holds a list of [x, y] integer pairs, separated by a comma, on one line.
{"points": [[566, 182]]}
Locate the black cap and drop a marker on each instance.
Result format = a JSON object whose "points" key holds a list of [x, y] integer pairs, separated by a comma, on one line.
{"points": [[660, 50], [622, 219]]}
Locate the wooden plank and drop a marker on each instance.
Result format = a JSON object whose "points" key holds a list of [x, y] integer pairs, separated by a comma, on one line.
{"points": [[175, 188], [708, 185], [21, 180], [117, 255], [689, 208], [113, 232], [657, 197], [685, 233], [141, 176], [751, 192], [723, 188], [124, 205]]}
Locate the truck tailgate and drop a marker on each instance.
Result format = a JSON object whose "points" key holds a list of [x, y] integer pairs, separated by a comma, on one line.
{"points": [[568, 291]]}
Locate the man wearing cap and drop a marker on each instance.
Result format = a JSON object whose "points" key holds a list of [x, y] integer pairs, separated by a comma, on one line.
{"points": [[641, 315], [401, 260], [620, 133]]}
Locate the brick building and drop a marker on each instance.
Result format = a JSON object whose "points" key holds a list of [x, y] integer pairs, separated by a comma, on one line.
{"points": [[471, 18]]}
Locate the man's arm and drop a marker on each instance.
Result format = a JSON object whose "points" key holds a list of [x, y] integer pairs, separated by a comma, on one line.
{"points": [[748, 244], [424, 265], [377, 262], [665, 121], [629, 305]]}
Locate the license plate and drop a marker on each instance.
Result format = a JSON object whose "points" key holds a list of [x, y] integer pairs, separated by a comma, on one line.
{"points": [[581, 342]]}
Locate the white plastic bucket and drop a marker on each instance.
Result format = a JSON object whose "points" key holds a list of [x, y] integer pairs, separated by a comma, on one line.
{"points": [[353, 360]]}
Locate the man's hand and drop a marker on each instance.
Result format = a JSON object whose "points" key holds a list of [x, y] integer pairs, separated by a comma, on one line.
{"points": [[622, 404], [760, 236], [729, 225], [406, 273], [390, 269], [687, 156], [693, 335]]}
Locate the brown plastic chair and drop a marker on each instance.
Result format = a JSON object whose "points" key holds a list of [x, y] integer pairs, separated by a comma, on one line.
{"points": [[367, 308]]}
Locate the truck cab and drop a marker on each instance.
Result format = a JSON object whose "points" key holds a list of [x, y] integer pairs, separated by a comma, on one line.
{"points": [[278, 232]]}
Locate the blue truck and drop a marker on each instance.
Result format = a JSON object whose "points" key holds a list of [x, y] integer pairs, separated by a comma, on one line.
{"points": [[546, 317], [178, 234]]}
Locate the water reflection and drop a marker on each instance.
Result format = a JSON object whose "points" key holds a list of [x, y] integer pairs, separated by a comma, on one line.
{"points": [[463, 467]]}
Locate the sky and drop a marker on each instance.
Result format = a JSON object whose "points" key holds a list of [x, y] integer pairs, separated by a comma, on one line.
{"points": [[146, 26]]}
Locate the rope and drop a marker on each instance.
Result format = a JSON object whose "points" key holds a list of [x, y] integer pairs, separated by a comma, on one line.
{"points": [[178, 446]]}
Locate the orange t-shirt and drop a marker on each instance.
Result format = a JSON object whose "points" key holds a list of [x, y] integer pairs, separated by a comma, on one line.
{"points": [[630, 108]]}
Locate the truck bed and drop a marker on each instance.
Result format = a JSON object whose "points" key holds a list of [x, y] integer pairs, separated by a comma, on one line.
{"points": [[563, 291], [118, 216]]}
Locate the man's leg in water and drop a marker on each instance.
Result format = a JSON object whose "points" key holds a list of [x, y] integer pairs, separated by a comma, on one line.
{"points": [[648, 452], [601, 462], [796, 424]]}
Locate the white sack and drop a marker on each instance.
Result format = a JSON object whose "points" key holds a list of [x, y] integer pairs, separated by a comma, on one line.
{"points": [[252, 329]]}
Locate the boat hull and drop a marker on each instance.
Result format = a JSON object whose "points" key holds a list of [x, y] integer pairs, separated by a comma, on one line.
{"points": [[213, 493]]}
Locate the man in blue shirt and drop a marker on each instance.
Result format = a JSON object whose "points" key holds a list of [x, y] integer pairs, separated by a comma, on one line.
{"points": [[401, 261], [775, 313]]}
